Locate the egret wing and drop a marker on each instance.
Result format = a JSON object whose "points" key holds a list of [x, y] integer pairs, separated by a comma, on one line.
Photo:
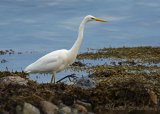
{"points": [[48, 63]]}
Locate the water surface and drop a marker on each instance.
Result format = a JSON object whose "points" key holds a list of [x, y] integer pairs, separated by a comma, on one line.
{"points": [[52, 24]]}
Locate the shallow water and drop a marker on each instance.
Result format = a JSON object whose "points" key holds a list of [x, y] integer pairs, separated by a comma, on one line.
{"points": [[116, 61], [17, 62]]}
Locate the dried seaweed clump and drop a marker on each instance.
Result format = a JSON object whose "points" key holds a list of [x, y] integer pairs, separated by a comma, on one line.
{"points": [[147, 54], [16, 73], [10, 51]]}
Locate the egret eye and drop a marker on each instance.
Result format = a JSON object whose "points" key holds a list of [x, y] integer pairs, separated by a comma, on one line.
{"points": [[92, 18]]}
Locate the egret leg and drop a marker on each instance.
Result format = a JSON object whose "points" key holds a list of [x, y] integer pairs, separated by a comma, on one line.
{"points": [[53, 77]]}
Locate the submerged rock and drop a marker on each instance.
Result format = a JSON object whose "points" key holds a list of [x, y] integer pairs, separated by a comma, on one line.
{"points": [[48, 107], [86, 83], [13, 80], [78, 63], [3, 61]]}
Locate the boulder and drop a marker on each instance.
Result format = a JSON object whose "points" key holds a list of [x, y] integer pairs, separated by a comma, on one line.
{"points": [[48, 107], [30, 109]]}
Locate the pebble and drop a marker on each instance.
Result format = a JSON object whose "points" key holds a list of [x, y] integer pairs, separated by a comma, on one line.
{"points": [[88, 106], [13, 80], [153, 96], [4, 112], [80, 109], [65, 110], [18, 109], [48, 107]]}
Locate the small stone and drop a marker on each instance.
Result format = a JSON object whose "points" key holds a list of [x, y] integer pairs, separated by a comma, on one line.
{"points": [[153, 96], [30, 109], [74, 111], [81, 109], [18, 109], [65, 110], [86, 83], [13, 80], [88, 106], [48, 107], [68, 100], [4, 112]]}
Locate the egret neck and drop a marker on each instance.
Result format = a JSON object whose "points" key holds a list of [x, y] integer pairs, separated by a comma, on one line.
{"points": [[75, 48]]}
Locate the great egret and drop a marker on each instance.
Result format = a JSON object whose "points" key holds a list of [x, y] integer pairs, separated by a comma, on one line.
{"points": [[58, 60]]}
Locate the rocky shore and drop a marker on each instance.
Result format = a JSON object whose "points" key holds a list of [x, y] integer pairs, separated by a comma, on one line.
{"points": [[130, 83]]}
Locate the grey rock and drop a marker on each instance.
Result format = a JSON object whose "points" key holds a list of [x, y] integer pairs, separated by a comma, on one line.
{"points": [[18, 109], [80, 109], [48, 107], [86, 83], [88, 106], [4, 112], [65, 110], [30, 109], [74, 111], [13, 80]]}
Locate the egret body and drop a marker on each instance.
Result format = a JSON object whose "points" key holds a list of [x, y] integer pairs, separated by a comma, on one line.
{"points": [[58, 60]]}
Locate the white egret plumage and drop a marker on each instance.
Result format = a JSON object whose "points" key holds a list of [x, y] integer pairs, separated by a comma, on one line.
{"points": [[58, 60]]}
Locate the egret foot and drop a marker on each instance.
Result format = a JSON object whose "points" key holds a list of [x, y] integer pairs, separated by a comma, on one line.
{"points": [[73, 76]]}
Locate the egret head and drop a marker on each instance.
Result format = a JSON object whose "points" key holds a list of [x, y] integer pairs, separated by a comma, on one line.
{"points": [[92, 18]]}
